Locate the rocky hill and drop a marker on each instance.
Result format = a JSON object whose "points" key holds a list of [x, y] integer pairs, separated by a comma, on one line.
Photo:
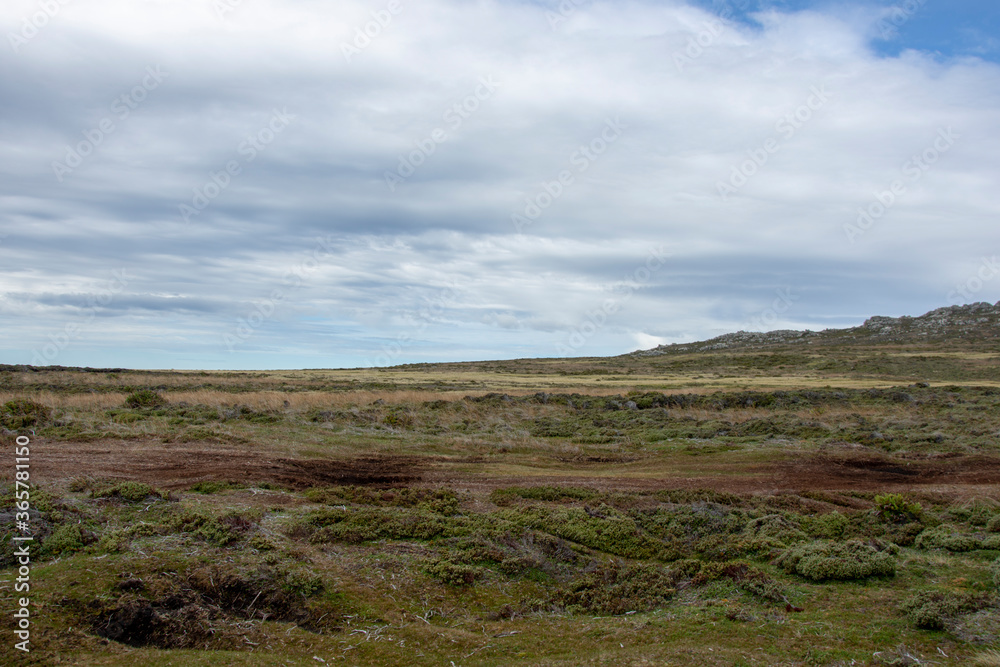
{"points": [[976, 322]]}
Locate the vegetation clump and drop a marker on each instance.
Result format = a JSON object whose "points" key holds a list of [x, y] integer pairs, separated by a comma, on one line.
{"points": [[442, 501], [452, 573], [947, 537], [209, 606], [22, 413], [371, 523], [829, 560], [748, 578], [145, 399], [506, 496], [67, 539], [617, 588], [894, 507], [934, 610], [129, 491]]}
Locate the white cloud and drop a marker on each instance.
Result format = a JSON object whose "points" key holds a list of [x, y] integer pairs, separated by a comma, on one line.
{"points": [[685, 130]]}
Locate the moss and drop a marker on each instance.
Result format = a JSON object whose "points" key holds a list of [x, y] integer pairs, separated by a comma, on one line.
{"points": [[230, 527], [826, 560], [261, 543], [946, 537]]}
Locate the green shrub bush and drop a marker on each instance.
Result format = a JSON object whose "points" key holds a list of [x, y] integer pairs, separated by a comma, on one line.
{"points": [[372, 523], [604, 529], [507, 496], [946, 537], [22, 413], [452, 573], [65, 540], [854, 559], [828, 526], [748, 578], [145, 398], [131, 491], [932, 610], [442, 501], [616, 589], [894, 507], [775, 527]]}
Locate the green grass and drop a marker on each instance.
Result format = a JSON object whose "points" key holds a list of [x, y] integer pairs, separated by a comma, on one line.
{"points": [[581, 558]]}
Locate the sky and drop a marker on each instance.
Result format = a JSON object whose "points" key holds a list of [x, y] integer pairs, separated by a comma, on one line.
{"points": [[262, 184]]}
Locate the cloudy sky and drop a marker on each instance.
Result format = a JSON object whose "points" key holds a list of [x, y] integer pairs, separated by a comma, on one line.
{"points": [[297, 183]]}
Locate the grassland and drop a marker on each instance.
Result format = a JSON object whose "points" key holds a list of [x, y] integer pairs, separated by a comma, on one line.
{"points": [[830, 506]]}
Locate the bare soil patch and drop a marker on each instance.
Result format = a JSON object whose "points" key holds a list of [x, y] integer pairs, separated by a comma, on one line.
{"points": [[177, 468]]}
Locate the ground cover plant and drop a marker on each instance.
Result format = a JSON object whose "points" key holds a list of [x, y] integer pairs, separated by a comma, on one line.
{"points": [[578, 512]]}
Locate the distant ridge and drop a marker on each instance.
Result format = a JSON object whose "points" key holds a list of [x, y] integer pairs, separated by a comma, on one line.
{"points": [[972, 323]]}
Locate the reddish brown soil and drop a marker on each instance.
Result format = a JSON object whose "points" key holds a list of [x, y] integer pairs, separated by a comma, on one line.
{"points": [[179, 467], [176, 467]]}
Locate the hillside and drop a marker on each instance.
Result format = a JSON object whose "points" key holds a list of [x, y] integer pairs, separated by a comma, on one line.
{"points": [[973, 323]]}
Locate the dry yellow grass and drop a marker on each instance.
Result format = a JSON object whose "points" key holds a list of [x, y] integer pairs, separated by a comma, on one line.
{"points": [[990, 658]]}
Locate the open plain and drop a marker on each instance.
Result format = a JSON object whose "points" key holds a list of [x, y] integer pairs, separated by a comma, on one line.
{"points": [[830, 503]]}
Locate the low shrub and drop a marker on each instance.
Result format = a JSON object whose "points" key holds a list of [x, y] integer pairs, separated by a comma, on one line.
{"points": [[441, 501], [946, 537], [933, 610], [507, 496], [775, 527], [995, 571], [145, 399], [130, 491], [616, 589], [211, 487], [452, 573], [828, 526], [896, 508], [853, 559], [371, 523], [748, 578], [603, 529], [22, 413], [66, 539], [993, 525]]}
